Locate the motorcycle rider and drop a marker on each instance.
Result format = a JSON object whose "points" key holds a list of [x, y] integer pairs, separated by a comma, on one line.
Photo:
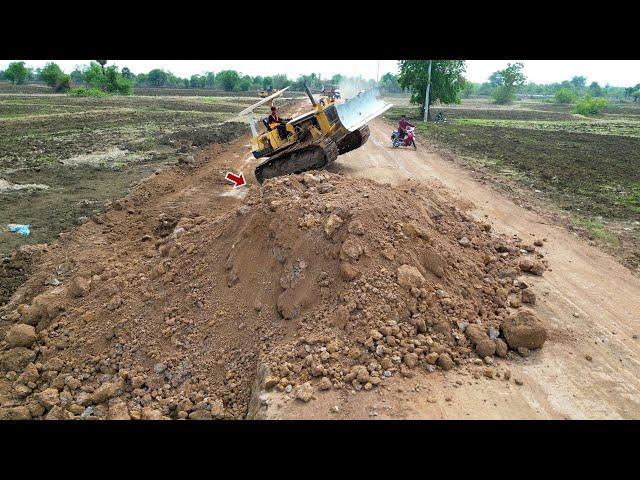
{"points": [[402, 127]]}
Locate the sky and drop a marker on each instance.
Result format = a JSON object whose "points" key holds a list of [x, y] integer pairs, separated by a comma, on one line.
{"points": [[613, 72]]}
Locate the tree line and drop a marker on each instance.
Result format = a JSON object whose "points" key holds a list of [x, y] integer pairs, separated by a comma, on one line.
{"points": [[448, 84], [567, 90], [110, 79]]}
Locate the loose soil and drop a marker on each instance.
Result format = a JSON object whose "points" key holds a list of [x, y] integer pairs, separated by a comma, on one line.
{"points": [[180, 308]]}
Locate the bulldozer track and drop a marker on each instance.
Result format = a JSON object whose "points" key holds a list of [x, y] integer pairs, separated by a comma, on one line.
{"points": [[314, 155], [353, 140]]}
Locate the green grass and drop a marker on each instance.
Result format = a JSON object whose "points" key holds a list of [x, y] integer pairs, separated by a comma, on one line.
{"points": [[596, 230], [87, 92]]}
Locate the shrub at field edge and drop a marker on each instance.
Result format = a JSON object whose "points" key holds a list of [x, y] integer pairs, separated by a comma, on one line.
{"points": [[590, 106]]}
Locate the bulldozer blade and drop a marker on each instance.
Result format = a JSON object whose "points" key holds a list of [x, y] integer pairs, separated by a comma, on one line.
{"points": [[361, 109]]}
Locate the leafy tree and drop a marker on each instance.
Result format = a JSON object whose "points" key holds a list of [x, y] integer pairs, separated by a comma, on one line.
{"points": [[211, 80], [337, 78], [109, 79], [102, 64], [53, 76], [116, 83], [635, 95], [126, 73], [389, 83], [279, 81], [579, 83], [564, 95], [257, 81], [77, 76], [63, 83], [485, 89], [1, 74], [173, 81], [595, 89], [508, 80], [50, 73], [446, 80], [228, 79], [313, 81], [17, 73], [244, 84], [468, 89], [157, 78], [197, 81], [93, 75], [495, 79]]}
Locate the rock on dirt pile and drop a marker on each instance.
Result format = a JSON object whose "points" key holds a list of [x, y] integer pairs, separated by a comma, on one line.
{"points": [[316, 281]]}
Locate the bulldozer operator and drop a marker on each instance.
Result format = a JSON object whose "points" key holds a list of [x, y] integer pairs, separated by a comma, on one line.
{"points": [[275, 122]]}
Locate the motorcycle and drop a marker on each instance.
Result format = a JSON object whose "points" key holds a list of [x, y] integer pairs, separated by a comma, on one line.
{"points": [[407, 141], [440, 118]]}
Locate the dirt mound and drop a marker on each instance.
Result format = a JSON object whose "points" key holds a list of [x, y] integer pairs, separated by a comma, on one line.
{"points": [[315, 280]]}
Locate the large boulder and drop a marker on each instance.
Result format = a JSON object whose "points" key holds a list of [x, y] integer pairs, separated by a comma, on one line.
{"points": [[16, 359], [524, 329], [79, 286], [476, 333], [21, 335]]}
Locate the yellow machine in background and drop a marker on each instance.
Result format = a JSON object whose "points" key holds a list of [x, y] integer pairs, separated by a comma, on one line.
{"points": [[315, 139], [266, 93]]}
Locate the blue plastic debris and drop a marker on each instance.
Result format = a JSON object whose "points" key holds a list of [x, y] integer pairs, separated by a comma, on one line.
{"points": [[21, 229]]}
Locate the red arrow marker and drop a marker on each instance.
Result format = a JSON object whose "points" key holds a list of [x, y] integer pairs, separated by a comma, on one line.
{"points": [[238, 180]]}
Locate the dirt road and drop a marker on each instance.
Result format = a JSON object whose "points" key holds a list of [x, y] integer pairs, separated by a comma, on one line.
{"points": [[589, 367]]}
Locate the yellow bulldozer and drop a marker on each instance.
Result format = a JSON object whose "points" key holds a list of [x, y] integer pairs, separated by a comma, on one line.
{"points": [[266, 93], [313, 140]]}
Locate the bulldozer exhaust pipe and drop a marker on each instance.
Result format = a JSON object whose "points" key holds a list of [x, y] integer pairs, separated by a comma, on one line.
{"points": [[313, 102]]}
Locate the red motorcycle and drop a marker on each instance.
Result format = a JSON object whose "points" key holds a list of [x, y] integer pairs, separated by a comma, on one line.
{"points": [[407, 141]]}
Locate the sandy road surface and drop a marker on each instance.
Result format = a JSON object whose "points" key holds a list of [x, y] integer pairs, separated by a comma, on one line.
{"points": [[590, 302]]}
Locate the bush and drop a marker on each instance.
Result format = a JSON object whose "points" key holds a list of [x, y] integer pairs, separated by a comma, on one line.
{"points": [[109, 80], [590, 106], [63, 83], [116, 83], [503, 94], [564, 95], [87, 92]]}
